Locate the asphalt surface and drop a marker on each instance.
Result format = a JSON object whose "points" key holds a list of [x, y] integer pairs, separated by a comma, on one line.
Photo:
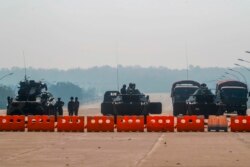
{"points": [[146, 149]]}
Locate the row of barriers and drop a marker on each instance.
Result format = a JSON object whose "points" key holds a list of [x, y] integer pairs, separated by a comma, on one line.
{"points": [[124, 123]]}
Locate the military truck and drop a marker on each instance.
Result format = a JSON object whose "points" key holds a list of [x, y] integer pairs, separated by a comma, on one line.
{"points": [[202, 102], [180, 92], [231, 96], [32, 99], [131, 103]]}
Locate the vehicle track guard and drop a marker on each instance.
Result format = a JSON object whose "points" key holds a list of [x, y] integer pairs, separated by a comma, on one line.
{"points": [[70, 124], [41, 123], [160, 124], [190, 123], [130, 124], [12, 123], [100, 124]]}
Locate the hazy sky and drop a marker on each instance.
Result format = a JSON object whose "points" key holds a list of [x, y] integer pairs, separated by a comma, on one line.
{"points": [[84, 33]]}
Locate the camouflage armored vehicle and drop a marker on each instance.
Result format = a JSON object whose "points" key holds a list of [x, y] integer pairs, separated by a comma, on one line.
{"points": [[202, 102], [231, 96], [32, 99], [180, 92], [131, 103]]}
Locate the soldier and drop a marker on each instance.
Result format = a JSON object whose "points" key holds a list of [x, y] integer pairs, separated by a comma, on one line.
{"points": [[123, 90], [76, 107], [59, 106], [135, 91], [71, 105], [130, 89]]}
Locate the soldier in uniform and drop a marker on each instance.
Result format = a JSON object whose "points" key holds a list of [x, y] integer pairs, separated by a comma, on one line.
{"points": [[76, 107], [135, 91], [130, 89], [59, 106], [123, 90], [71, 106]]}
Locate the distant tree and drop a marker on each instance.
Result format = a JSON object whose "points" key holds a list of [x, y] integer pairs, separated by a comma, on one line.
{"points": [[65, 90], [89, 94], [5, 91]]}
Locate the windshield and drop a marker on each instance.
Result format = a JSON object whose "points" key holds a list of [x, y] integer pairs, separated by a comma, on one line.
{"points": [[184, 91], [234, 93]]}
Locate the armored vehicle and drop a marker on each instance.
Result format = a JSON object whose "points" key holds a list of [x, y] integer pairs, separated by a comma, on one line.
{"points": [[202, 102], [180, 92], [231, 96], [32, 99], [131, 103]]}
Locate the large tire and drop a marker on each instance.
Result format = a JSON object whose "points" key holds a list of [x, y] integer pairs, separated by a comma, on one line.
{"points": [[107, 109], [155, 108]]}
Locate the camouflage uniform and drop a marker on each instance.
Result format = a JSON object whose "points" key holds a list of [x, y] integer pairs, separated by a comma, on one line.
{"points": [[71, 106], [123, 90], [59, 106], [76, 106]]}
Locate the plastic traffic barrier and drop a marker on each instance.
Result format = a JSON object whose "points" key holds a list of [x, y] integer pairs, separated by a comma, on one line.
{"points": [[100, 124], [12, 123], [130, 124], [160, 123], [240, 123], [190, 124], [217, 123], [70, 124], [41, 123]]}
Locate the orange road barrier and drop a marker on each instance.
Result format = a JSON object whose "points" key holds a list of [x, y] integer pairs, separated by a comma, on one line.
{"points": [[100, 124], [217, 123], [70, 124], [160, 123], [41, 123], [130, 124], [190, 124], [12, 123], [240, 123]]}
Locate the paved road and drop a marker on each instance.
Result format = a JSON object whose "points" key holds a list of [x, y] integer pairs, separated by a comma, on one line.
{"points": [[124, 149], [29, 149]]}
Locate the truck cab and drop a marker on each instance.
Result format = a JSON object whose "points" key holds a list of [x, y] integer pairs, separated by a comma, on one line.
{"points": [[232, 96], [181, 91]]}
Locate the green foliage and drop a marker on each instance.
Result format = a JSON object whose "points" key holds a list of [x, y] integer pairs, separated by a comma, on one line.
{"points": [[5, 91], [65, 90]]}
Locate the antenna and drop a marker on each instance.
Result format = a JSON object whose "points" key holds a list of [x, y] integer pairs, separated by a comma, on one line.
{"points": [[186, 53], [117, 66], [24, 62]]}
